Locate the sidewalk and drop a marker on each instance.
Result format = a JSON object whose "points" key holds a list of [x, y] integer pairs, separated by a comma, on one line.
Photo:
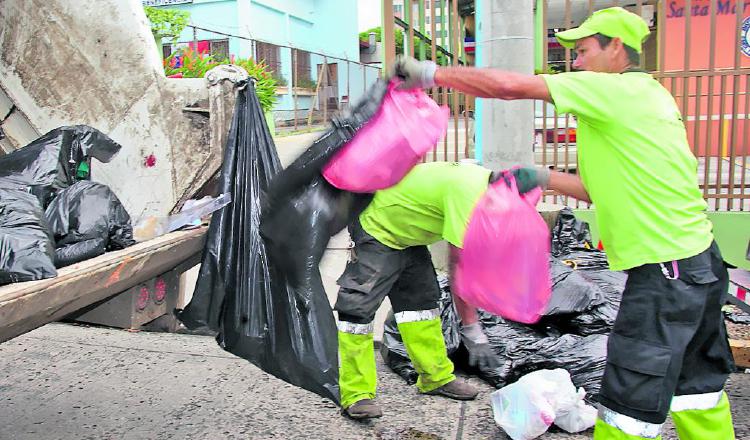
{"points": [[71, 382]]}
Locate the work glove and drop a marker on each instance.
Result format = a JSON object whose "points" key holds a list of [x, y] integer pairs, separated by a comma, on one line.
{"points": [[527, 178], [414, 74], [481, 355]]}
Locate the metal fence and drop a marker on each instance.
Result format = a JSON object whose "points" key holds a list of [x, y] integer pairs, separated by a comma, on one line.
{"points": [[315, 86], [311, 86], [435, 30], [699, 50]]}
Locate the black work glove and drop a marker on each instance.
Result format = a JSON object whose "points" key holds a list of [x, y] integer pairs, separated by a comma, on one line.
{"points": [[481, 355], [365, 108], [527, 178]]}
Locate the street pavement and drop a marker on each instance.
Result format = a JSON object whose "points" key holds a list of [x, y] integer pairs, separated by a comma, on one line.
{"points": [[66, 381]]}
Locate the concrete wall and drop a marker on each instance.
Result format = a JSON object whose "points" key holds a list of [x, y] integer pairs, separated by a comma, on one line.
{"points": [[66, 62]]}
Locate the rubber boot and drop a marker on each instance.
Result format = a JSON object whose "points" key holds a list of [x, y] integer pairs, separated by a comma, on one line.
{"points": [[357, 376], [426, 348], [698, 424]]}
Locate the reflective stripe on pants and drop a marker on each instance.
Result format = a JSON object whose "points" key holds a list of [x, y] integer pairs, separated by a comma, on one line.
{"points": [[612, 425]]}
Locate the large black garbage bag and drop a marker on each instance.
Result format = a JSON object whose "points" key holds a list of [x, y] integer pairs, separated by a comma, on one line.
{"points": [[87, 219], [584, 357], [393, 349], [522, 349], [296, 232], [600, 318], [57, 159], [570, 234], [580, 275], [510, 341], [265, 297], [26, 250], [571, 243], [571, 292]]}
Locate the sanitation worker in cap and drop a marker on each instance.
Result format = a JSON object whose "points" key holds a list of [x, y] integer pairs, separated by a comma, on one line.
{"points": [[668, 351]]}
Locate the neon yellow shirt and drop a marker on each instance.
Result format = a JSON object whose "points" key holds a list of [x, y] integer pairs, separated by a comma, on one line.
{"points": [[636, 164], [431, 203]]}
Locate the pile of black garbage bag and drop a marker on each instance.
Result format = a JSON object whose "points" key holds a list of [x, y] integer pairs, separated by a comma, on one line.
{"points": [[572, 335], [51, 214], [259, 285]]}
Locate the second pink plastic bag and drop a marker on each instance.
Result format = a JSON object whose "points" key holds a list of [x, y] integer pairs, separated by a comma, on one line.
{"points": [[503, 267], [407, 126]]}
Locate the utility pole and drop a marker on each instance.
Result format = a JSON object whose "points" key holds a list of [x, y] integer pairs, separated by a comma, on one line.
{"points": [[387, 37], [505, 40]]}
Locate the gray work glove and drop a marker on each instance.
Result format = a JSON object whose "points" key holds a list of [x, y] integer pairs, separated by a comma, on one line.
{"points": [[527, 178], [480, 353], [414, 74]]}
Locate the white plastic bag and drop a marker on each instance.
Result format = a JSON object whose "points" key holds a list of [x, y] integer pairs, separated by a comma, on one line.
{"points": [[578, 417], [527, 408]]}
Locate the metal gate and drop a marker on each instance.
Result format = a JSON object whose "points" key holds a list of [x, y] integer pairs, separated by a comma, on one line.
{"points": [[700, 51], [437, 30]]}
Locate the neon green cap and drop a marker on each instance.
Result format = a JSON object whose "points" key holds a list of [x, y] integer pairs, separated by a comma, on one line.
{"points": [[610, 22]]}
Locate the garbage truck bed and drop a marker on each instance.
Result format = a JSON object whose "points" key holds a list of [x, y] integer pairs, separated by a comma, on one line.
{"points": [[26, 306]]}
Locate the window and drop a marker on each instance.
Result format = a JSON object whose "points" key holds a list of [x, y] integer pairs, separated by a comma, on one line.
{"points": [[398, 9], [219, 49], [301, 69], [166, 50], [269, 53]]}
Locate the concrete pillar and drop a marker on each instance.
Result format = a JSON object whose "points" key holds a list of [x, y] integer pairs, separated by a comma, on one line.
{"points": [[505, 40]]}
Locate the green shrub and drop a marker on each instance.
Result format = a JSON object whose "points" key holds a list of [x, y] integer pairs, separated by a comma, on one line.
{"points": [[195, 65], [265, 83], [166, 23]]}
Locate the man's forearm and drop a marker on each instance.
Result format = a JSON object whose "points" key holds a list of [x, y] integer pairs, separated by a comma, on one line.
{"points": [[467, 313], [492, 83], [569, 185]]}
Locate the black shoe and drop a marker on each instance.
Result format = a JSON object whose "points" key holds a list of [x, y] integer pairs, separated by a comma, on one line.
{"points": [[456, 389], [363, 409]]}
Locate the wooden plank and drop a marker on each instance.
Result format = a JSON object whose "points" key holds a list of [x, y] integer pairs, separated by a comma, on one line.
{"points": [[741, 352], [26, 306]]}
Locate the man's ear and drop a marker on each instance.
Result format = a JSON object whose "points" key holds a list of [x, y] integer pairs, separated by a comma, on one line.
{"points": [[617, 45]]}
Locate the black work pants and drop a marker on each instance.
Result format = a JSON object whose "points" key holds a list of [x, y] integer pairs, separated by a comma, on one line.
{"points": [[406, 276], [669, 337]]}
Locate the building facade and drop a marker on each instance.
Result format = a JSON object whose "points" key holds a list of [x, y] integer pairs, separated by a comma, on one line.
{"points": [[311, 46]]}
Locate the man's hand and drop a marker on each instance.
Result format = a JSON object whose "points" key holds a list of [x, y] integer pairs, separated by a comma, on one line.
{"points": [[480, 353], [527, 178], [414, 74]]}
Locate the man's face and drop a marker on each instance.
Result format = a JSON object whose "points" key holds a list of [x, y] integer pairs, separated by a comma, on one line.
{"points": [[590, 55]]}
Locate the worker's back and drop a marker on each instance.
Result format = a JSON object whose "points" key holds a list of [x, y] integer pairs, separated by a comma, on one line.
{"points": [[433, 202]]}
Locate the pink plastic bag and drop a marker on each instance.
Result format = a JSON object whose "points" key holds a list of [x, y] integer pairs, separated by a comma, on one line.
{"points": [[503, 267], [407, 125]]}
